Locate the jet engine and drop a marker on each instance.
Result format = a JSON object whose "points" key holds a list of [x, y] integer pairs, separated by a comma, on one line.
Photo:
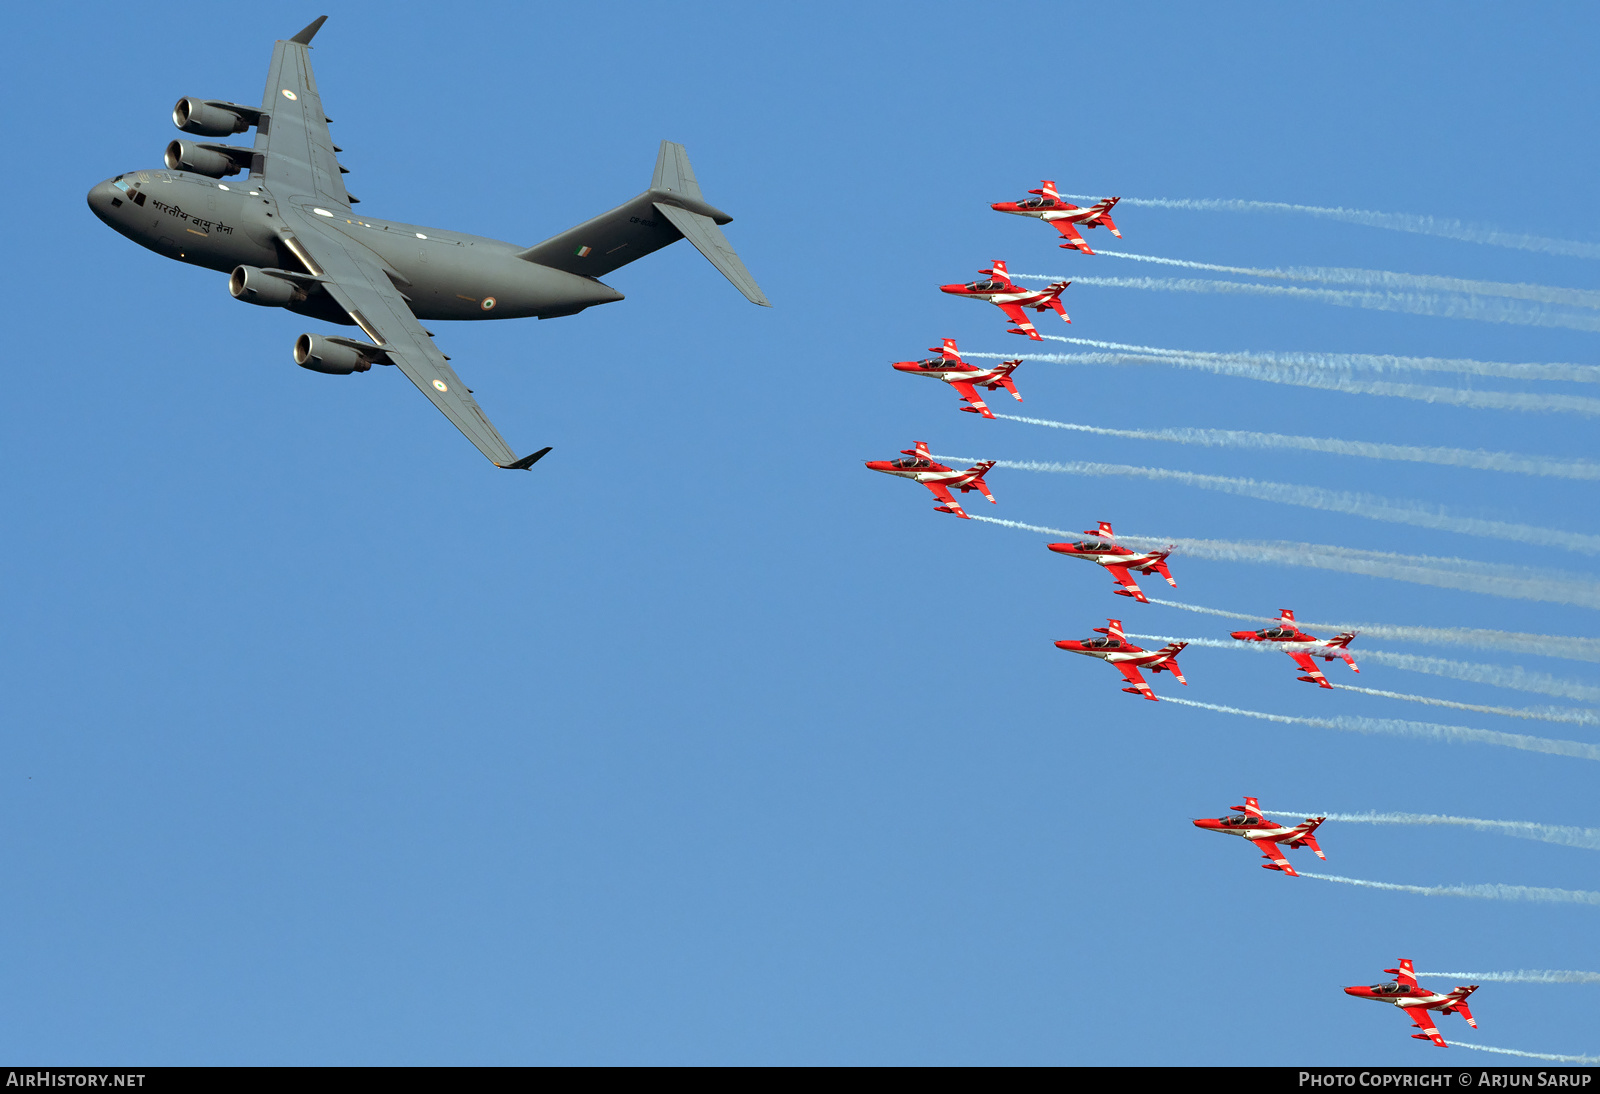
{"points": [[205, 119], [216, 160], [340, 358], [257, 286]]}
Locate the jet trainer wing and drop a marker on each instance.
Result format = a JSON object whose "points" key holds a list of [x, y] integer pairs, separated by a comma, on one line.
{"points": [[1132, 674], [1070, 234], [1306, 663], [970, 394], [356, 280], [1422, 1018], [1120, 575], [294, 151], [1275, 855], [951, 505], [1014, 313]]}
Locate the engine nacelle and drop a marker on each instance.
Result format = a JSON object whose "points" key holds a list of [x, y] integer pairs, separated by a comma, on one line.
{"points": [[316, 353], [204, 120], [187, 156], [257, 286]]}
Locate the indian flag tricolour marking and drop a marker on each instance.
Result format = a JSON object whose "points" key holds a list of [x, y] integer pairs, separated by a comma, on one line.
{"points": [[583, 252]]}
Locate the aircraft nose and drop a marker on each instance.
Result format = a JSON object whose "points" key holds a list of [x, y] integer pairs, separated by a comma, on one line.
{"points": [[100, 196], [1242, 634], [877, 465], [1354, 991], [1060, 548], [1067, 644], [905, 366], [951, 288]]}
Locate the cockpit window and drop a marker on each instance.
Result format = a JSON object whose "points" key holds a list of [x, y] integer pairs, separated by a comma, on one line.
{"points": [[908, 461], [1102, 644], [985, 286], [1094, 545], [120, 185], [1276, 632]]}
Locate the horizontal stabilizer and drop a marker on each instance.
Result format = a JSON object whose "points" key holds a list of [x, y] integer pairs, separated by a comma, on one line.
{"points": [[708, 239]]}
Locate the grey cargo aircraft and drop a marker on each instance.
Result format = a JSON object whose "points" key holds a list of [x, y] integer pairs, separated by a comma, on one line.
{"points": [[289, 238]]}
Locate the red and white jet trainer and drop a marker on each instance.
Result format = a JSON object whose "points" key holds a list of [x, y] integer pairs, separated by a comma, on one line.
{"points": [[1286, 631], [1118, 560], [965, 378], [1050, 208], [1128, 658], [1266, 834], [918, 466], [1011, 299], [1418, 1001]]}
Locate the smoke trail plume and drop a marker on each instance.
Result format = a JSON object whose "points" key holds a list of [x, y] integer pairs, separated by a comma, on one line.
{"points": [[1489, 891], [1567, 836], [1443, 306], [1384, 279], [1529, 1055], [1545, 714], [1493, 675], [1549, 645], [1326, 380], [1422, 730], [1477, 459], [1315, 497], [1367, 362], [1493, 579], [1396, 222], [1520, 976]]}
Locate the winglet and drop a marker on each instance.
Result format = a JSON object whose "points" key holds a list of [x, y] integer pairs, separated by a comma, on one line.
{"points": [[305, 36], [527, 461]]}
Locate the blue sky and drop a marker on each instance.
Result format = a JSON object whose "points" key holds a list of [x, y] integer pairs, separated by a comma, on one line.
{"points": [[328, 743]]}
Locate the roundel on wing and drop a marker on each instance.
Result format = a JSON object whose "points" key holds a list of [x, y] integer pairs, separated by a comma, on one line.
{"points": [[440, 384]]}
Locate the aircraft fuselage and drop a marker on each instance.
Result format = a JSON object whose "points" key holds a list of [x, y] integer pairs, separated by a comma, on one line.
{"points": [[444, 274]]}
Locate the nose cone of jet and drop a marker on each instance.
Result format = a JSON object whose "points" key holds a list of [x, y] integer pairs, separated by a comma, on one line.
{"points": [[1062, 548], [1242, 634], [1206, 822], [907, 366], [1358, 992], [877, 465], [100, 197], [1071, 644], [955, 288]]}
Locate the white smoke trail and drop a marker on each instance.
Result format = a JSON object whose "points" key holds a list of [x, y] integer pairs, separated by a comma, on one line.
{"points": [[1443, 306], [1397, 222], [1314, 497], [1545, 714], [1567, 836], [1368, 362], [1493, 675], [1490, 891], [1423, 730], [1549, 645], [1520, 976], [1384, 279], [1327, 380], [1466, 575], [1477, 459], [1530, 1055]]}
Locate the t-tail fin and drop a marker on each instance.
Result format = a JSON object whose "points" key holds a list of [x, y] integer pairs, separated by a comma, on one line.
{"points": [[672, 209], [1406, 974], [948, 352]]}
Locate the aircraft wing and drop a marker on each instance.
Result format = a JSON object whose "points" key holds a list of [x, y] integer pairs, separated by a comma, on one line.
{"points": [[1120, 575], [1074, 241], [1422, 1018], [294, 149], [356, 280], [1275, 854], [1014, 313], [1310, 667], [970, 395], [942, 492], [1133, 677]]}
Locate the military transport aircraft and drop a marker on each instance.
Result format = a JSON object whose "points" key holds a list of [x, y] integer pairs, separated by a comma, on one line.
{"points": [[1128, 658], [1011, 299], [288, 237], [1118, 560], [1265, 834], [1417, 1001], [918, 466], [1050, 208], [1286, 631], [965, 378]]}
